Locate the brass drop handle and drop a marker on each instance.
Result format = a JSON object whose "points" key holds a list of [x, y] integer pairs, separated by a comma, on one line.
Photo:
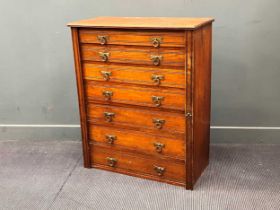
{"points": [[104, 56], [102, 39], [156, 42], [157, 100], [159, 146], [158, 123], [107, 94], [111, 139], [109, 116], [156, 59], [106, 75], [159, 170], [111, 161], [157, 79]]}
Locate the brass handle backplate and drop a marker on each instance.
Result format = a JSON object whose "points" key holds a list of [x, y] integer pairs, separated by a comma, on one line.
{"points": [[102, 39], [104, 56], [106, 75], [159, 170], [157, 79], [156, 59], [107, 94], [109, 116], [159, 146], [111, 161], [158, 123], [157, 100], [156, 41], [111, 139]]}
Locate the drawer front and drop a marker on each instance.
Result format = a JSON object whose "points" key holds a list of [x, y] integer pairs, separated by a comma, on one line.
{"points": [[135, 95], [133, 55], [139, 119], [162, 168], [158, 77], [138, 141], [145, 38]]}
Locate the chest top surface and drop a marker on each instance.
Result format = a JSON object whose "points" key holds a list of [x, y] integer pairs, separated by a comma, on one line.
{"points": [[143, 22]]}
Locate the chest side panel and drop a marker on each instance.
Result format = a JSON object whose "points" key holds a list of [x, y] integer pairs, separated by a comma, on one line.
{"points": [[202, 39]]}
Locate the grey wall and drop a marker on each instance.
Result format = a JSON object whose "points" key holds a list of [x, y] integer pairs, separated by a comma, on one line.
{"points": [[37, 83]]}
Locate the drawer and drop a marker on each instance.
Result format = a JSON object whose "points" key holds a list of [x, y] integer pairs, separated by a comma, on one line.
{"points": [[158, 77], [135, 95], [137, 38], [139, 119], [133, 55], [163, 168], [138, 141]]}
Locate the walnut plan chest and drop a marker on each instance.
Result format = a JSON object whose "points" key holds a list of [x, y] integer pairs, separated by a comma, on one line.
{"points": [[144, 95]]}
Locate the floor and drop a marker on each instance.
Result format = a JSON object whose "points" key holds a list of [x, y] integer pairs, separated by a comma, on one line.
{"points": [[50, 175]]}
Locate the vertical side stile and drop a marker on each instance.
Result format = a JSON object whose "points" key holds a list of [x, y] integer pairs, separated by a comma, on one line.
{"points": [[189, 109], [81, 96]]}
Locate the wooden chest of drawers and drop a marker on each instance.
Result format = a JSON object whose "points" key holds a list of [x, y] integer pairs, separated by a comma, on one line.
{"points": [[144, 95]]}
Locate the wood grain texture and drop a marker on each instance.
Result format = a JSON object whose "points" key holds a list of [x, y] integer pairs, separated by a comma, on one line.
{"points": [[135, 95], [143, 22], [137, 38], [137, 163], [81, 96], [135, 75], [182, 120], [138, 119], [138, 142], [140, 175], [133, 55], [202, 40]]}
